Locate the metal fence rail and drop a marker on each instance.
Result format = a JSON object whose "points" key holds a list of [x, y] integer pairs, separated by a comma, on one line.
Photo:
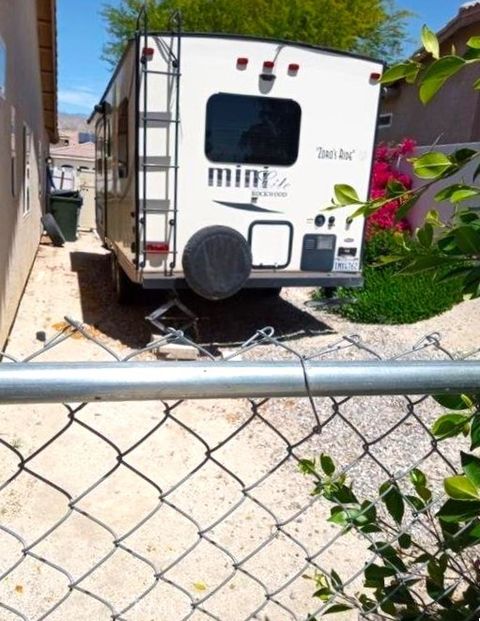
{"points": [[168, 490], [140, 381]]}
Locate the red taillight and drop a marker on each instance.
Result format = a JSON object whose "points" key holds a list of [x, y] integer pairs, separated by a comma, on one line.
{"points": [[147, 53], [157, 247], [242, 63], [268, 64], [375, 77], [293, 68]]}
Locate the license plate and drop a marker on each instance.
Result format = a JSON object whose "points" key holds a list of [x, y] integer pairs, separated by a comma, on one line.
{"points": [[346, 265]]}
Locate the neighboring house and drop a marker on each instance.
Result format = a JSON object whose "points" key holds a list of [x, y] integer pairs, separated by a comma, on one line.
{"points": [[72, 153], [73, 167], [28, 123], [453, 116]]}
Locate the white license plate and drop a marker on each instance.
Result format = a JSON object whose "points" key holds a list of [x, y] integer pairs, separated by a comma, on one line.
{"points": [[343, 265]]}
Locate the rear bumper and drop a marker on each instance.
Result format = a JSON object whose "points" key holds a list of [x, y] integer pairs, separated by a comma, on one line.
{"points": [[298, 279]]}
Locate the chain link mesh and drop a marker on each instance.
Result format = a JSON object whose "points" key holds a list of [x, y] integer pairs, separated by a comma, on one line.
{"points": [[197, 509]]}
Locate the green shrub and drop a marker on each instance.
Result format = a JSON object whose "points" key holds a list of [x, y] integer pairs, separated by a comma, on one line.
{"points": [[389, 297]]}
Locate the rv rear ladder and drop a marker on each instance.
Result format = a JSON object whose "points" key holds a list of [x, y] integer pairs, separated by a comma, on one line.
{"points": [[162, 163]]}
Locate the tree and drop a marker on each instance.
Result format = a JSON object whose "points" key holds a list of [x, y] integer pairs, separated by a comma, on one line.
{"points": [[371, 27]]}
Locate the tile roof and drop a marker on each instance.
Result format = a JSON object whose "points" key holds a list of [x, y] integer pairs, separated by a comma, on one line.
{"points": [[84, 151]]}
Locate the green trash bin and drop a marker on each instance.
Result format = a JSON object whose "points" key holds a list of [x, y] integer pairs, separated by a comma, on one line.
{"points": [[65, 208]]}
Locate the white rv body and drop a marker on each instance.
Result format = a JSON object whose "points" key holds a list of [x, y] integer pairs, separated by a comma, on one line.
{"points": [[185, 142]]}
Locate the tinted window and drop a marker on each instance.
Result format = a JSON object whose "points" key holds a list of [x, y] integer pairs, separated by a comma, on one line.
{"points": [[252, 130]]}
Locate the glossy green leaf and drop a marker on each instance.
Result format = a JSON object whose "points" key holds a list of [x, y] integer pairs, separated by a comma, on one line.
{"points": [[430, 42], [468, 239], [336, 580], [463, 155], [431, 165], [327, 464], [391, 496], [446, 193], [346, 195], [475, 432], [425, 235], [417, 477], [407, 205], [467, 216], [408, 70], [449, 425], [336, 608], [474, 42], [307, 466], [437, 74], [395, 189], [453, 274], [416, 503], [433, 218], [460, 488], [457, 193], [464, 193], [424, 263], [471, 468], [459, 510], [323, 594], [454, 402]]}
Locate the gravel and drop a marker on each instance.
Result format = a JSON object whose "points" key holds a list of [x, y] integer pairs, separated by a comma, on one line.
{"points": [[162, 445]]}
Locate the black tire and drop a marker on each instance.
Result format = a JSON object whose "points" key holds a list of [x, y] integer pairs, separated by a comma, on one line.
{"points": [[53, 230], [217, 262], [125, 290]]}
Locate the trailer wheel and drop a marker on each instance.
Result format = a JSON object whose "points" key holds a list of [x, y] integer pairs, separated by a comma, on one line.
{"points": [[217, 262], [53, 230], [124, 288]]}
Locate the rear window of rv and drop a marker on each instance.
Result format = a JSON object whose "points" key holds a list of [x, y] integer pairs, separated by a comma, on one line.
{"points": [[242, 129]]}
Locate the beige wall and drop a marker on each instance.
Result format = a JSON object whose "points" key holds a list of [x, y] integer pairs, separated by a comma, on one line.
{"points": [[19, 232], [453, 116]]}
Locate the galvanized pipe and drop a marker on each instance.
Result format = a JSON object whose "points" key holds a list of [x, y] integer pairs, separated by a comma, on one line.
{"points": [[141, 381]]}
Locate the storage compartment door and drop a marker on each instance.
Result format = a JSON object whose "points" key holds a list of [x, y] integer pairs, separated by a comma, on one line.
{"points": [[271, 244]]}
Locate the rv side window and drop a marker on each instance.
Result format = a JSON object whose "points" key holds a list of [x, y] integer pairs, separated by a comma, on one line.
{"points": [[243, 129], [99, 148], [123, 140]]}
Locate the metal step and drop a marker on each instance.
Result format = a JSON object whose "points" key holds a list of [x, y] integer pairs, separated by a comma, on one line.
{"points": [[153, 205], [156, 163], [175, 74], [155, 119]]}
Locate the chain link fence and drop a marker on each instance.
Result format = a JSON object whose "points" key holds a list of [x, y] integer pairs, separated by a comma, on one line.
{"points": [[140, 508]]}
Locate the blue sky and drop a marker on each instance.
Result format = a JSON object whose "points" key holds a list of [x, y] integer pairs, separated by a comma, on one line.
{"points": [[81, 31]]}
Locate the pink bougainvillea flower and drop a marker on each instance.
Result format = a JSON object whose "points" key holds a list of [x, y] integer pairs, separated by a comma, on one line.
{"points": [[385, 170]]}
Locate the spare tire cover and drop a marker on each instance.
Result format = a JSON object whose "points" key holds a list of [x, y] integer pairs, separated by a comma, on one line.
{"points": [[217, 262]]}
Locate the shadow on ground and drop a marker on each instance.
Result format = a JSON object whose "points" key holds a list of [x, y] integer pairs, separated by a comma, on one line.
{"points": [[229, 322]]}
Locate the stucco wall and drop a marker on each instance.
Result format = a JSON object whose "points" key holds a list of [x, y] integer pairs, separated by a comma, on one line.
{"points": [[453, 116], [19, 232]]}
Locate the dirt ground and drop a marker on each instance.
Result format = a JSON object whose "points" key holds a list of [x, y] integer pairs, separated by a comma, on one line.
{"points": [[166, 505]]}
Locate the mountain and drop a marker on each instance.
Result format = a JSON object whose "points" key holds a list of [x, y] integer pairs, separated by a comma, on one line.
{"points": [[76, 122]]}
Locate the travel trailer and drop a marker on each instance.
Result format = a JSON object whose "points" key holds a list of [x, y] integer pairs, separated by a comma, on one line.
{"points": [[217, 156]]}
